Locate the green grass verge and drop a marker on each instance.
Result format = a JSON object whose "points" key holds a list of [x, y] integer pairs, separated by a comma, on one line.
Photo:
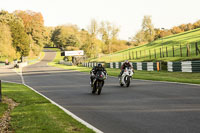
{"points": [[36, 114], [143, 52], [3, 108]]}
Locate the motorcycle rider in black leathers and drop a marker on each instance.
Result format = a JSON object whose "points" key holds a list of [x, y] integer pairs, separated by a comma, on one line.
{"points": [[94, 70]]}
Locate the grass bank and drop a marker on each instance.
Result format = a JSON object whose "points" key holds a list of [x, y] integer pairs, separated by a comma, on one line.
{"points": [[170, 48], [36, 114]]}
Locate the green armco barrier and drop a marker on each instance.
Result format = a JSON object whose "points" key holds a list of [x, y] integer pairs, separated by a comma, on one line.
{"points": [[176, 66], [195, 66], [107, 65], [120, 64], [184, 66], [134, 66], [148, 66], [155, 66], [144, 65]]}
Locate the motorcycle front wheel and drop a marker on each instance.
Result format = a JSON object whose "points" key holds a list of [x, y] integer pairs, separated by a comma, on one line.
{"points": [[100, 85], [128, 80], [94, 88]]}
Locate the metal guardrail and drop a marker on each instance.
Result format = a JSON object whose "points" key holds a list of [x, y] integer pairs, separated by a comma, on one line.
{"points": [[148, 66], [184, 66]]}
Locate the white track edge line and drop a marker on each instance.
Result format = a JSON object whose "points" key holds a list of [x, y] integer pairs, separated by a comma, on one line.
{"points": [[65, 110], [68, 112]]}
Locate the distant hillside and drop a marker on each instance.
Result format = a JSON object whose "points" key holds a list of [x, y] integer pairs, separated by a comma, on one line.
{"points": [[175, 47]]}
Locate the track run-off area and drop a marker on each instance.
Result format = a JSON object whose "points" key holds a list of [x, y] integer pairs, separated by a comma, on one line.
{"points": [[144, 107]]}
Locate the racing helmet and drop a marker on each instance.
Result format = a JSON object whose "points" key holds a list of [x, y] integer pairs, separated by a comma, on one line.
{"points": [[99, 65], [126, 61]]}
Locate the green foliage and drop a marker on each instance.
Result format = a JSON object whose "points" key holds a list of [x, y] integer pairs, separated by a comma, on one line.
{"points": [[147, 33], [34, 27], [148, 29], [69, 37], [36, 114], [20, 39], [66, 35], [47, 37], [6, 49], [143, 52]]}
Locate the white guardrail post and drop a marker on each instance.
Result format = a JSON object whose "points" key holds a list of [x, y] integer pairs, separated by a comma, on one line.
{"points": [[139, 65], [186, 66], [169, 66]]}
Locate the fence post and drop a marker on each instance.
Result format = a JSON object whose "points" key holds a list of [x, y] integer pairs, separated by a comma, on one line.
{"points": [[150, 53], [136, 54], [173, 50], [197, 49], [166, 52], [0, 91], [133, 54], [155, 53], [180, 50], [188, 50], [160, 53]]}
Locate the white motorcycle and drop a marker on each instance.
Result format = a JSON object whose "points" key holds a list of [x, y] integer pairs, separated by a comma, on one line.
{"points": [[126, 77]]}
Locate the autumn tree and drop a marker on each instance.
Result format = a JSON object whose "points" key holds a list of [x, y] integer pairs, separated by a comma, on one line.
{"points": [[139, 38], [66, 37], [47, 37], [176, 30], [20, 40], [189, 27], [7, 51], [148, 29], [93, 28], [34, 27], [108, 33]]}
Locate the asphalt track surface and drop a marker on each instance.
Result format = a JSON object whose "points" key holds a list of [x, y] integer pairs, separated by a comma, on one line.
{"points": [[144, 107]]}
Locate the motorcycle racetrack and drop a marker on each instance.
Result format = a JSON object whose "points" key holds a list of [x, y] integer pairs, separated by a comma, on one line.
{"points": [[144, 107]]}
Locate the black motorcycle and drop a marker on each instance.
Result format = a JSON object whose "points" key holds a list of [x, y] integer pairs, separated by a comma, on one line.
{"points": [[98, 82]]}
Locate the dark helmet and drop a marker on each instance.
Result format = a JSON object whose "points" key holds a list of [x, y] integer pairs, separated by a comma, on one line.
{"points": [[99, 65]]}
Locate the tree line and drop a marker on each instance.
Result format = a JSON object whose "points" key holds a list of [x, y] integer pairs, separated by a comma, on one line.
{"points": [[148, 33], [22, 33], [97, 39]]}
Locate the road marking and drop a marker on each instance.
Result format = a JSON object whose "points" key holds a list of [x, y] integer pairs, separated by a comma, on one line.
{"points": [[65, 110], [68, 112], [20, 74]]}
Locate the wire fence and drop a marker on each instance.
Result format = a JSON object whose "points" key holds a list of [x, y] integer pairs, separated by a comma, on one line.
{"points": [[178, 50]]}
